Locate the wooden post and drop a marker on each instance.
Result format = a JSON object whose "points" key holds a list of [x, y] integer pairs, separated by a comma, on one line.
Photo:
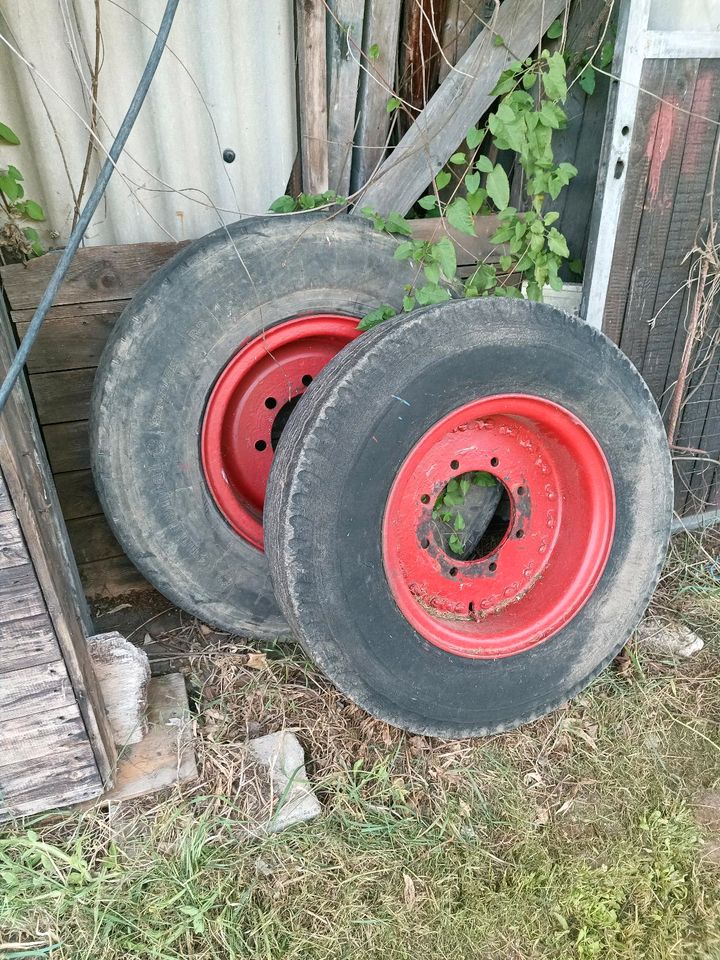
{"points": [[344, 40], [312, 94]]}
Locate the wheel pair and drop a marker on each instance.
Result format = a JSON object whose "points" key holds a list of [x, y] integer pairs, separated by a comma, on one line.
{"points": [[466, 514]]}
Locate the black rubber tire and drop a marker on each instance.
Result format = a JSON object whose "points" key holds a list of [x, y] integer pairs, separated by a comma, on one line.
{"points": [[157, 371], [336, 463]]}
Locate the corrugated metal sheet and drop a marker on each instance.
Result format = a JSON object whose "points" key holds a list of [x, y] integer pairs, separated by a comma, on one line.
{"points": [[226, 81]]}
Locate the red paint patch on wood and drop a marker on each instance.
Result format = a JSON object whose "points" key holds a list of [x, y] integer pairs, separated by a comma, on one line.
{"points": [[658, 148]]}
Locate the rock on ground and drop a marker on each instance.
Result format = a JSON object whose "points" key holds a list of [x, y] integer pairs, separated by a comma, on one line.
{"points": [[668, 637], [279, 761]]}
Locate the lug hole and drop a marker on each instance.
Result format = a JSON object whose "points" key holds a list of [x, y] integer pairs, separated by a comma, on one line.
{"points": [[521, 491], [424, 544], [453, 571], [471, 607], [271, 403], [260, 445], [454, 464], [520, 534], [307, 380], [494, 462], [425, 498], [492, 567]]}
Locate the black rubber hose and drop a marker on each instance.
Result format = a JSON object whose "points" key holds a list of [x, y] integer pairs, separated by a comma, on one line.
{"points": [[93, 200]]}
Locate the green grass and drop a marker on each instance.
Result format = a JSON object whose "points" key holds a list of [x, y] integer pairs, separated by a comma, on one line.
{"points": [[571, 838]]}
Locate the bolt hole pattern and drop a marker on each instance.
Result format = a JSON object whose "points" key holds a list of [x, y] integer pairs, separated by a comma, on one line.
{"points": [[425, 498], [271, 403], [454, 464], [492, 567], [494, 462], [307, 380], [521, 491], [520, 534], [424, 544], [453, 571], [260, 445]]}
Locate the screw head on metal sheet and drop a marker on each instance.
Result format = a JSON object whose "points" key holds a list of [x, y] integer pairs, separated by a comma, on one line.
{"points": [[228, 155]]}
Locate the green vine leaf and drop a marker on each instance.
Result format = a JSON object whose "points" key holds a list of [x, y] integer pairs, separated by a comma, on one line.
{"points": [[443, 179], [557, 243], [458, 158], [474, 138], [460, 217], [484, 164], [8, 136], [444, 253], [498, 187], [554, 78], [555, 30], [33, 210], [587, 80], [396, 223], [376, 316], [429, 202], [472, 182], [392, 104]]}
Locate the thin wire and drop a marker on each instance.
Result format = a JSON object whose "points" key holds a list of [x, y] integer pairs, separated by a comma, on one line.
{"points": [[98, 190]]}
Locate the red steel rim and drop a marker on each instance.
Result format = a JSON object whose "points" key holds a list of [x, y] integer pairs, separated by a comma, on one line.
{"points": [[250, 403], [560, 517]]}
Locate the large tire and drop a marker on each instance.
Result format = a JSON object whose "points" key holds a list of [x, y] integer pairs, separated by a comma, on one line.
{"points": [[329, 536], [159, 368]]}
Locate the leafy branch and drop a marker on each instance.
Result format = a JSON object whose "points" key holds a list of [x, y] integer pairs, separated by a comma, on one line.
{"points": [[20, 242]]}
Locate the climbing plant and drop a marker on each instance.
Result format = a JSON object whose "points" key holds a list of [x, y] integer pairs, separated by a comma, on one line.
{"points": [[18, 241]]}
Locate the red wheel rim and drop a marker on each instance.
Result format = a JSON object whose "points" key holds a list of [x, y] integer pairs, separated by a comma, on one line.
{"points": [[250, 402], [561, 508]]}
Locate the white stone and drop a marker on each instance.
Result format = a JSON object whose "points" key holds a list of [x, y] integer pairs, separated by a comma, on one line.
{"points": [[669, 637], [281, 758]]}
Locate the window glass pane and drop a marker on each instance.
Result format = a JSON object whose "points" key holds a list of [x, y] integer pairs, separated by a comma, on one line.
{"points": [[691, 15]]}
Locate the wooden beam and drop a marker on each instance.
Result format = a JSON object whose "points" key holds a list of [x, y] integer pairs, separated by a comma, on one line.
{"points": [[377, 82], [344, 40], [312, 94], [458, 104]]}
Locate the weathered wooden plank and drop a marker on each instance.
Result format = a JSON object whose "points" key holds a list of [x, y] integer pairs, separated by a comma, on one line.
{"points": [[35, 690], [5, 503], [92, 539], [68, 343], [693, 205], [112, 577], [463, 97], [463, 22], [27, 642], [20, 594], [96, 274], [29, 481], [377, 83], [62, 396], [312, 94], [68, 445], [13, 551], [344, 41], [77, 494], [24, 739], [49, 781], [636, 174], [657, 208]]}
